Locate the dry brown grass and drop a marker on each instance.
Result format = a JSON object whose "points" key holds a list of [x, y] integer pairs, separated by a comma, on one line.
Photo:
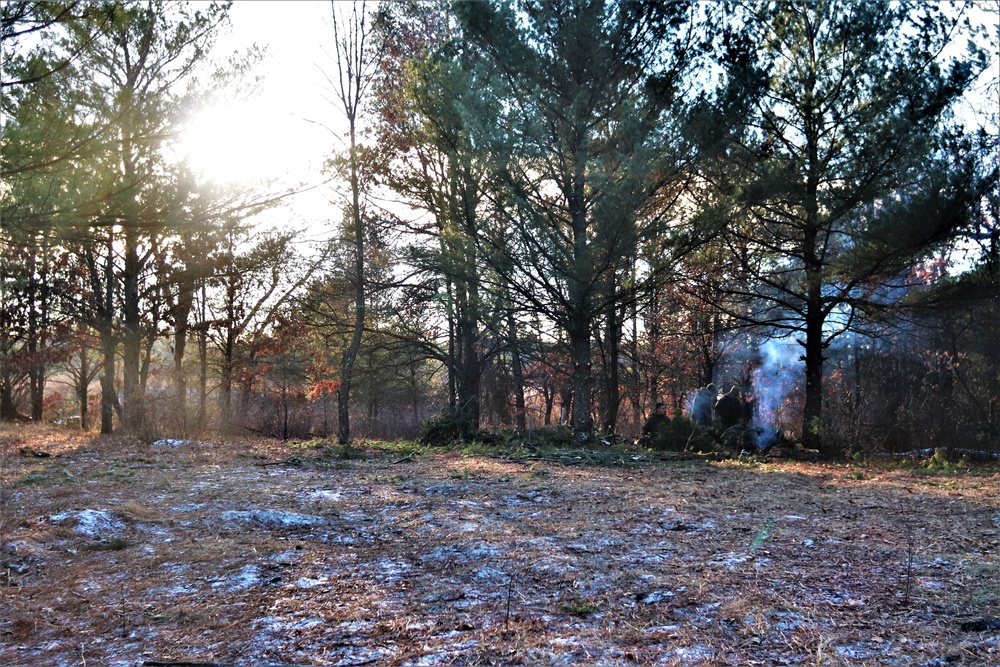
{"points": [[254, 551]]}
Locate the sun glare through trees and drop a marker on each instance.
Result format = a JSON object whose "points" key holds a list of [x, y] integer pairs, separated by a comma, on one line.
{"points": [[459, 219], [507, 332]]}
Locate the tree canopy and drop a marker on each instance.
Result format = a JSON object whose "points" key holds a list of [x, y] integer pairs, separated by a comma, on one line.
{"points": [[559, 211]]}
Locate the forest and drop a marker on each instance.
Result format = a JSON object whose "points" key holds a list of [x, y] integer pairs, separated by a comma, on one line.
{"points": [[546, 214]]}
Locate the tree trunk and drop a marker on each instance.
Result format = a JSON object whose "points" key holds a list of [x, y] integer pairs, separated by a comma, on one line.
{"points": [[38, 315], [351, 353], [469, 386], [226, 384], [579, 339], [133, 409], [108, 397], [185, 303], [466, 290], [284, 408], [811, 415], [106, 332], [203, 361], [814, 318], [550, 399], [612, 384], [8, 411], [517, 370], [581, 316], [83, 386], [452, 353]]}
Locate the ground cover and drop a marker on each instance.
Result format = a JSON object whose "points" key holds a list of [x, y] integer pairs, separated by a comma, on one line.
{"points": [[253, 552]]}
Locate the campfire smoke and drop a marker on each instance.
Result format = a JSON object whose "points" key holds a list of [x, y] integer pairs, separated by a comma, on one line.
{"points": [[775, 378]]}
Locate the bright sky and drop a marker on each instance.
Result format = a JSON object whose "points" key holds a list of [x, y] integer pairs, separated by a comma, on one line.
{"points": [[285, 128]]}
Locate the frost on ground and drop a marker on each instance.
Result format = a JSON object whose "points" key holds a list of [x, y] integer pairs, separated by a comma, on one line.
{"points": [[117, 552]]}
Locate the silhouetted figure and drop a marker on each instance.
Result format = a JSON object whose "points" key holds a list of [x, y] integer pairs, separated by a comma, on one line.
{"points": [[656, 424], [729, 409], [704, 401]]}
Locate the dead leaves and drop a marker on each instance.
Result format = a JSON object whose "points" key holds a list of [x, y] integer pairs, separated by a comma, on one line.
{"points": [[440, 559]]}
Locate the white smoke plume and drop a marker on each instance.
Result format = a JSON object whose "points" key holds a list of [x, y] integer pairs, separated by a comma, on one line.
{"points": [[774, 380]]}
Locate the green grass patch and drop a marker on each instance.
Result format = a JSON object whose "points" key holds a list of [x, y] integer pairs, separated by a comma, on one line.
{"points": [[37, 476], [580, 608], [762, 534]]}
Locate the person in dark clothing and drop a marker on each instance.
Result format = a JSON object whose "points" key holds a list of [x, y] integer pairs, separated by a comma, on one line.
{"points": [[704, 401], [656, 424], [729, 409]]}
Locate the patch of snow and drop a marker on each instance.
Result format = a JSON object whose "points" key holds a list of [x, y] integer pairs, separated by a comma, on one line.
{"points": [[272, 518], [653, 559], [328, 495], [276, 635], [310, 582], [276, 626], [565, 641], [96, 524], [244, 578], [187, 508], [435, 659], [687, 655], [682, 525], [656, 596], [335, 495], [491, 574], [862, 650], [445, 489], [730, 561], [462, 555], [285, 556], [169, 442], [788, 621], [661, 629], [390, 568], [537, 497]]}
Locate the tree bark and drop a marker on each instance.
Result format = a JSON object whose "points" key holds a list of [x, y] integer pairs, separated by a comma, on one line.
{"points": [[579, 339], [203, 360], [108, 397], [133, 408], [612, 381], [517, 370], [351, 353], [83, 386], [182, 311]]}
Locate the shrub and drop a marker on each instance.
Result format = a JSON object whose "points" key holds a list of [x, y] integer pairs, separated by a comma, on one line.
{"points": [[444, 429], [683, 435]]}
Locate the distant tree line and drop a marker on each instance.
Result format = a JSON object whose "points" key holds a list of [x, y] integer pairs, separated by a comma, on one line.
{"points": [[605, 205]]}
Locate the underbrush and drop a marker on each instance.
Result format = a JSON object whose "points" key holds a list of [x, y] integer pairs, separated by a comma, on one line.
{"points": [[525, 545], [938, 464]]}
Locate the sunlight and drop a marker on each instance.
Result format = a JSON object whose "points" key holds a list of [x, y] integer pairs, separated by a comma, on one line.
{"points": [[249, 142]]}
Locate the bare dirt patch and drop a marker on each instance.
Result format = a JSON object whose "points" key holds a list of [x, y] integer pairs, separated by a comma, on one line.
{"points": [[254, 552]]}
